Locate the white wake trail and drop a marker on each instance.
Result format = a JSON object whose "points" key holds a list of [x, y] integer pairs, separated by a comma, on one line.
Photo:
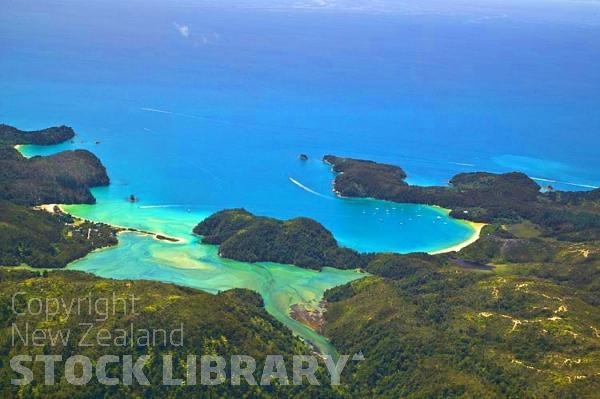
{"points": [[565, 182], [308, 189], [190, 116], [162, 111], [463, 164]]}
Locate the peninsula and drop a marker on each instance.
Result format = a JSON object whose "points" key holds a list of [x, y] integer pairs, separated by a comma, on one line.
{"points": [[514, 312], [34, 237], [478, 197], [64, 178]]}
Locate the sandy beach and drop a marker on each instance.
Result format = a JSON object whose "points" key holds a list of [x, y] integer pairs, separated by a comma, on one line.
{"points": [[455, 248], [122, 229]]}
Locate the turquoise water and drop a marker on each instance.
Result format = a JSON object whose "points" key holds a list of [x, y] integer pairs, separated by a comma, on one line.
{"points": [[198, 266], [196, 106]]}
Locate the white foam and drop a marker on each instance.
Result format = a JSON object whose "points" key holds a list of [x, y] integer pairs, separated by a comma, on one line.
{"points": [[581, 185], [564, 182], [180, 114], [162, 111], [542, 179], [463, 164], [308, 189]]}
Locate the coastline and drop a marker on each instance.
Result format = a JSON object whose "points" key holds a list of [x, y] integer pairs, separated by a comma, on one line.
{"points": [[120, 229], [477, 227], [20, 148]]}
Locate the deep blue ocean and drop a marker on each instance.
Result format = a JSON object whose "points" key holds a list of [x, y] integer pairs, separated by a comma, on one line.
{"points": [[251, 88], [196, 106]]}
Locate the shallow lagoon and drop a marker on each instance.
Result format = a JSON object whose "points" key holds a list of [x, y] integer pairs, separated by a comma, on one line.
{"points": [[193, 264]]}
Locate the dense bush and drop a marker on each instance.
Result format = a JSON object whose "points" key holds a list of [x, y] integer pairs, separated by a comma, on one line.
{"points": [[480, 197], [41, 239], [11, 136], [301, 241], [465, 334], [64, 178], [230, 323]]}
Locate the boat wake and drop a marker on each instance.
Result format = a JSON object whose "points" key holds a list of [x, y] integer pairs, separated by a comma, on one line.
{"points": [[463, 164], [162, 111], [308, 189], [564, 182], [274, 128]]}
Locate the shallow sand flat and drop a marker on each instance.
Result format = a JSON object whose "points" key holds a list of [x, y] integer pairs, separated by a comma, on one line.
{"points": [[281, 286]]}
